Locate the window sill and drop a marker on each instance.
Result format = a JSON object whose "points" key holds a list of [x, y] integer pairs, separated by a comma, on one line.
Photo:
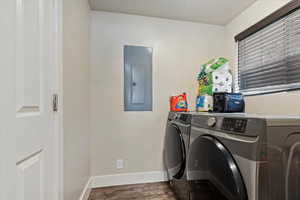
{"points": [[271, 90]]}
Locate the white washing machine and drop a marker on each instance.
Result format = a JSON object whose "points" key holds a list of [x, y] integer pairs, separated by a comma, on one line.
{"points": [[242, 156]]}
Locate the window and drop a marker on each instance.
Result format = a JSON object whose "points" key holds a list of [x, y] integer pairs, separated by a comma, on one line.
{"points": [[137, 78], [269, 53]]}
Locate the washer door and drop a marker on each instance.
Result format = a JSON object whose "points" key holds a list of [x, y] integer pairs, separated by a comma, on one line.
{"points": [[210, 161], [175, 155]]}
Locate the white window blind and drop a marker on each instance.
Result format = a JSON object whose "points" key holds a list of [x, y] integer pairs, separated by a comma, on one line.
{"points": [[269, 60]]}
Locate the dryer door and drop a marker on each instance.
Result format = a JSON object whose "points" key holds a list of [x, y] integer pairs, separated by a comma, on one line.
{"points": [[209, 161], [175, 155]]}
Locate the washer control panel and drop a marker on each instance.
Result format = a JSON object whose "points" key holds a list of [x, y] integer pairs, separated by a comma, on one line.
{"points": [[234, 124]]}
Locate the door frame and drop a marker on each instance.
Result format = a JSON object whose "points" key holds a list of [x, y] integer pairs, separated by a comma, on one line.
{"points": [[58, 89]]}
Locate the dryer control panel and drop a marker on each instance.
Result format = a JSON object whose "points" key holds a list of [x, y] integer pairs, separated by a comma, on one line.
{"points": [[234, 124]]}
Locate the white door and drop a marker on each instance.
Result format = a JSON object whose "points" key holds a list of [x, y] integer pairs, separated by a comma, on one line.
{"points": [[29, 164]]}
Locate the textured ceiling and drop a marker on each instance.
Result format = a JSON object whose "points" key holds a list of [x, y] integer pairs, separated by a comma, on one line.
{"points": [[207, 11]]}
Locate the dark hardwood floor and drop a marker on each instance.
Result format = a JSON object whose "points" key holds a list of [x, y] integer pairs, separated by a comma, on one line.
{"points": [[148, 191]]}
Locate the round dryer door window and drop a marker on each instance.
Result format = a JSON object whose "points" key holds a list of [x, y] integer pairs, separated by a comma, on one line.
{"points": [[175, 155], [213, 172]]}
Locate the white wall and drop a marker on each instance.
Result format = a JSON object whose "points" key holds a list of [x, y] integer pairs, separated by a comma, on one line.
{"points": [[179, 49], [76, 25], [279, 103]]}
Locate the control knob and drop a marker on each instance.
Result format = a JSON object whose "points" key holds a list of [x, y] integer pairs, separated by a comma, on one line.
{"points": [[211, 122]]}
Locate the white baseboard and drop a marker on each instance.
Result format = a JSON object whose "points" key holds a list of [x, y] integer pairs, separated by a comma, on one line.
{"points": [[127, 179], [87, 190]]}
